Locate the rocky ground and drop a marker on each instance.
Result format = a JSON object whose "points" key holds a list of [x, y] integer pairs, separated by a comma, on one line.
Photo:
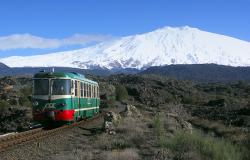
{"points": [[128, 135], [150, 117]]}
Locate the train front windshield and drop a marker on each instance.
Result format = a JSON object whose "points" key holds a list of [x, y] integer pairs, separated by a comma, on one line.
{"points": [[41, 87], [58, 87]]}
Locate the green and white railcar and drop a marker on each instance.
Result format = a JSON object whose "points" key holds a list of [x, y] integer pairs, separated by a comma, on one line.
{"points": [[64, 97]]}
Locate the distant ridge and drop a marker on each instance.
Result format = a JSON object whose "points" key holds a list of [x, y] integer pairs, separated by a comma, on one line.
{"points": [[202, 72], [195, 72], [21, 71]]}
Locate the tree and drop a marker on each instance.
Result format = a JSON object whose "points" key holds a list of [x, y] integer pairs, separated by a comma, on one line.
{"points": [[121, 92]]}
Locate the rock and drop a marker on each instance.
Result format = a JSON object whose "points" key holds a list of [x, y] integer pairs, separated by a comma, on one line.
{"points": [[175, 122], [171, 123], [110, 120], [186, 126], [131, 111]]}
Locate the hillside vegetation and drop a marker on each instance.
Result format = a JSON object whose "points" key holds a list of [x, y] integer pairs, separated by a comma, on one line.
{"points": [[171, 119]]}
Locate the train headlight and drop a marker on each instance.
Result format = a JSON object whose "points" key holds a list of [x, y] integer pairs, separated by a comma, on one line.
{"points": [[63, 104], [35, 103]]}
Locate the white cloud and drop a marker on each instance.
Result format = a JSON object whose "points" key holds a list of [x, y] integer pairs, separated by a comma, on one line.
{"points": [[23, 41]]}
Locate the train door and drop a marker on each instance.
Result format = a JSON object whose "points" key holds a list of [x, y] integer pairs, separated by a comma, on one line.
{"points": [[85, 95], [81, 102], [89, 96], [73, 95], [77, 100], [96, 98]]}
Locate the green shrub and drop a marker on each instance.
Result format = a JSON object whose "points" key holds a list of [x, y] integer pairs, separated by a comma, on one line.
{"points": [[4, 105], [186, 145], [121, 92], [160, 130], [26, 91], [189, 99], [24, 101], [197, 145]]}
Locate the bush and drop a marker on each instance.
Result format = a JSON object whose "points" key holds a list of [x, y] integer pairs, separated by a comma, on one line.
{"points": [[217, 102], [107, 101], [121, 92], [160, 130], [24, 101], [26, 91], [189, 99], [198, 146], [24, 94], [4, 106]]}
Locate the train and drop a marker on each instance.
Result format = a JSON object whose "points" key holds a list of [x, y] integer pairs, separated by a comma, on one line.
{"points": [[63, 97]]}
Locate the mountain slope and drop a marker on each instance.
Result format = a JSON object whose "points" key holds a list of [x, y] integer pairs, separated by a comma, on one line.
{"points": [[202, 72], [3, 66], [168, 45]]}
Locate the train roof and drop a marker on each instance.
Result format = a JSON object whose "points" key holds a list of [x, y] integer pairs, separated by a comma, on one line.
{"points": [[71, 75]]}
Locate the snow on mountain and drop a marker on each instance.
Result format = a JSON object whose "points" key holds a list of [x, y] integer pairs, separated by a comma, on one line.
{"points": [[182, 45]]}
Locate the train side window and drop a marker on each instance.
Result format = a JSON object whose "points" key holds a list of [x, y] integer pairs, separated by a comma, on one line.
{"points": [[87, 86], [97, 91], [72, 87], [85, 89], [92, 93], [76, 88], [81, 89], [89, 91]]}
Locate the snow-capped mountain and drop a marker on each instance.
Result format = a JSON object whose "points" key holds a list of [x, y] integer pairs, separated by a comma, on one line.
{"points": [[183, 45]]}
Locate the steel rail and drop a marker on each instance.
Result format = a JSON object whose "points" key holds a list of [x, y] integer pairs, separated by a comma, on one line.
{"points": [[19, 138]]}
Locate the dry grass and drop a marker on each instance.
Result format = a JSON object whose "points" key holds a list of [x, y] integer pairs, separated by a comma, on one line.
{"points": [[126, 154], [104, 141], [83, 155], [129, 133], [233, 133], [133, 129]]}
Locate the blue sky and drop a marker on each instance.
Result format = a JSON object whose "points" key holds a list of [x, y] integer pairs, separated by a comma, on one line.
{"points": [[30, 27]]}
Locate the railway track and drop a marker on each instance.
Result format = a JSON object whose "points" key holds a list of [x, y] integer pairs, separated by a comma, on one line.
{"points": [[19, 138]]}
